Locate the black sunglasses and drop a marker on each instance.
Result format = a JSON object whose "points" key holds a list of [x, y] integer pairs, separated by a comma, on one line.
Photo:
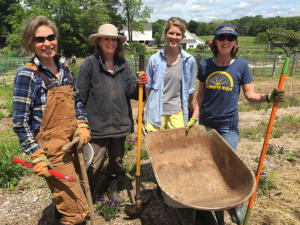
{"points": [[40, 39], [230, 38]]}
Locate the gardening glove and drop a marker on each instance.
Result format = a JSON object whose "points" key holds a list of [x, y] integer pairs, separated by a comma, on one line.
{"points": [[190, 124], [82, 131], [275, 95], [142, 77], [41, 163]]}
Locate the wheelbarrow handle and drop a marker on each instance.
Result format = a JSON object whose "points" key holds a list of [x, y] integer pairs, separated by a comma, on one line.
{"points": [[53, 173]]}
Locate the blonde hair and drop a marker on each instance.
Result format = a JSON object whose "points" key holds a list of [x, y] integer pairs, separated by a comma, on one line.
{"points": [[177, 22], [29, 30]]}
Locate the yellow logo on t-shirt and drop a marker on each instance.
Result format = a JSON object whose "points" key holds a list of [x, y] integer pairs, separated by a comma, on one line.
{"points": [[220, 80]]}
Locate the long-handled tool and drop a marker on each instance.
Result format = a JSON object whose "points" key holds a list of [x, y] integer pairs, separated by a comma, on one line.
{"points": [[53, 173], [84, 177], [137, 208], [273, 113]]}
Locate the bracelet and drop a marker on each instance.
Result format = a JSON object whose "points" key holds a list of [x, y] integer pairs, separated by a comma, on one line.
{"points": [[267, 98]]}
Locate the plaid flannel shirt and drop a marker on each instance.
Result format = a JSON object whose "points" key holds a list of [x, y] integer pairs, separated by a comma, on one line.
{"points": [[30, 98]]}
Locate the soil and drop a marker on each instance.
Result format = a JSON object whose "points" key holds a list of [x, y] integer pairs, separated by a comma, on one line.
{"points": [[31, 203]]}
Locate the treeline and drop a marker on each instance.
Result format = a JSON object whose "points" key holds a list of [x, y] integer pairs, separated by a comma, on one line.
{"points": [[248, 26], [75, 19]]}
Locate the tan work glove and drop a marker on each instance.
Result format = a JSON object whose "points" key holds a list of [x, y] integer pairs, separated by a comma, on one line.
{"points": [[275, 95], [190, 124], [41, 163], [82, 131]]}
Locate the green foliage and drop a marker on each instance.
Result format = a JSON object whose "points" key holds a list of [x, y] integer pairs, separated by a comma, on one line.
{"points": [[129, 145], [144, 155], [139, 48], [271, 150], [106, 208], [6, 91], [267, 182], [136, 15], [10, 172], [292, 157]]}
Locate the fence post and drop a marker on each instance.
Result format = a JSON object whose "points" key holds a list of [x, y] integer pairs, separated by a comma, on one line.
{"points": [[274, 65], [293, 64]]}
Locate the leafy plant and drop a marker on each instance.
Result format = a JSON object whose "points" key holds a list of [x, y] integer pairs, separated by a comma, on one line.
{"points": [[10, 172], [292, 157], [129, 144], [271, 150], [107, 208], [144, 155], [267, 182]]}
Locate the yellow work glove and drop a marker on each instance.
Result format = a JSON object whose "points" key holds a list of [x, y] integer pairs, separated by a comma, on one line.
{"points": [[189, 125], [275, 95], [82, 131], [41, 163]]}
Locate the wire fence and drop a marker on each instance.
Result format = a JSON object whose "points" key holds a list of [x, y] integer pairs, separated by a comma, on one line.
{"points": [[271, 65], [266, 65]]}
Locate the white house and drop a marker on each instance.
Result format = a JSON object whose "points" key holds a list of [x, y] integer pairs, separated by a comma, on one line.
{"points": [[191, 40], [144, 37]]}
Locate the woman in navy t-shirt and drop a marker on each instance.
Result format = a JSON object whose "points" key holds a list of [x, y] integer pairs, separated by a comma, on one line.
{"points": [[221, 78]]}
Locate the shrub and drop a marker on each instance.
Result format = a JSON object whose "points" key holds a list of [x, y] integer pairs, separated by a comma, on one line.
{"points": [[139, 48]]}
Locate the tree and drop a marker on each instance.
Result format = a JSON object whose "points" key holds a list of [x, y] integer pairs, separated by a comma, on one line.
{"points": [[192, 26], [135, 15], [7, 7], [157, 31], [75, 20]]}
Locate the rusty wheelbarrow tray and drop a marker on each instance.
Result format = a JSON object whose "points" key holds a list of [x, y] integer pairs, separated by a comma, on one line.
{"points": [[199, 171]]}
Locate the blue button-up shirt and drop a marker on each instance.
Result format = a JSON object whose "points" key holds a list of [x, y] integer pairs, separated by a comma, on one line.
{"points": [[30, 98], [156, 70]]}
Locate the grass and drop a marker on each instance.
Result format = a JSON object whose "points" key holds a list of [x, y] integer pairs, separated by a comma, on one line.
{"points": [[6, 93], [10, 172], [285, 124]]}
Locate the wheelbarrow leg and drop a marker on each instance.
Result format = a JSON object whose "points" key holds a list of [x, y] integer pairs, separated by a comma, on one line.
{"points": [[220, 217], [182, 217]]}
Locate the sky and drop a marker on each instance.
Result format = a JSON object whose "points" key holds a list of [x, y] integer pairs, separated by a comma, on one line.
{"points": [[210, 10]]}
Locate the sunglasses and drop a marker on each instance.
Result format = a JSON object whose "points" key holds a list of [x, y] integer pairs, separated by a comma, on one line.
{"points": [[40, 39], [230, 38]]}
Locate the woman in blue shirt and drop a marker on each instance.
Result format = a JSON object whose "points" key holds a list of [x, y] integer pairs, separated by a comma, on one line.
{"points": [[221, 78], [170, 88]]}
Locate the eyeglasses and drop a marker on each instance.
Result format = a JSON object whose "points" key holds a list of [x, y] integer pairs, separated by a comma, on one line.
{"points": [[41, 39], [230, 38]]}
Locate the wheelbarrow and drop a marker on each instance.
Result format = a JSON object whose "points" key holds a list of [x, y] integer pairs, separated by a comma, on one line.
{"points": [[199, 171]]}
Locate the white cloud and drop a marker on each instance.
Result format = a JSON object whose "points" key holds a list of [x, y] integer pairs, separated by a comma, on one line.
{"points": [[209, 10]]}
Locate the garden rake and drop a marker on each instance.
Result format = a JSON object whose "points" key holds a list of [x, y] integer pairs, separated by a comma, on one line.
{"points": [[288, 40]]}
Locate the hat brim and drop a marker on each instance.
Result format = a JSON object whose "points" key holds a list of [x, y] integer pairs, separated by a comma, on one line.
{"points": [[227, 32], [94, 38]]}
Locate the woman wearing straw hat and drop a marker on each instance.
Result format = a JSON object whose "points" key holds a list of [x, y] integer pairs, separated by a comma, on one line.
{"points": [[106, 84]]}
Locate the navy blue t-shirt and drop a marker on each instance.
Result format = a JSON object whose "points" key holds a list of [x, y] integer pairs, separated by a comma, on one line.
{"points": [[221, 92]]}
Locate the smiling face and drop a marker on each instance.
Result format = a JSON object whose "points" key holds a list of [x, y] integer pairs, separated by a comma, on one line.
{"points": [[108, 45], [174, 37], [225, 43], [45, 50]]}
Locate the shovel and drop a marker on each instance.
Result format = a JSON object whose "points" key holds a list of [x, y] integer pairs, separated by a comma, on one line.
{"points": [[285, 36], [137, 208], [84, 176]]}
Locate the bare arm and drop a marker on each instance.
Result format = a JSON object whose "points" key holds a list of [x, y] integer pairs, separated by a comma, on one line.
{"points": [[199, 100], [251, 95]]}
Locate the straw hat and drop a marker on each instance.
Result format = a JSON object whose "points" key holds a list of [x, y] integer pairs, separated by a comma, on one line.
{"points": [[106, 30]]}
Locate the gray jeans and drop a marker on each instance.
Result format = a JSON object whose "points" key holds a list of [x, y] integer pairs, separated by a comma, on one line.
{"points": [[115, 149]]}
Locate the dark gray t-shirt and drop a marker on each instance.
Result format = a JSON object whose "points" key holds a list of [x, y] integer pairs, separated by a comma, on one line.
{"points": [[172, 89]]}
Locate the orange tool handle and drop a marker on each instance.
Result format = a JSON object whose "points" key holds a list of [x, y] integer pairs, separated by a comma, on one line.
{"points": [[267, 138]]}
